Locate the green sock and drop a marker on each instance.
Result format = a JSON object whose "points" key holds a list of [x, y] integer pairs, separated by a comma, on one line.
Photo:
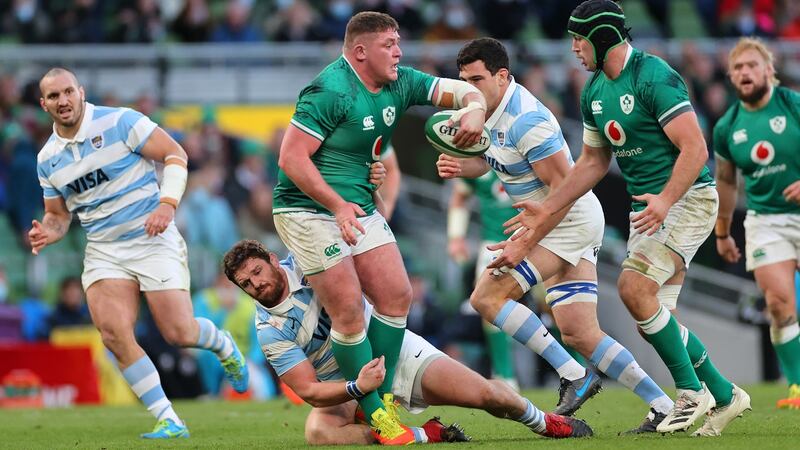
{"points": [[386, 336], [720, 387], [499, 346], [352, 353], [572, 352], [664, 334], [787, 345]]}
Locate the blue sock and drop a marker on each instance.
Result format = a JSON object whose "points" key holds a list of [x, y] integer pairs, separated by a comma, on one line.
{"points": [[143, 378], [533, 417], [618, 363], [212, 338], [525, 327]]}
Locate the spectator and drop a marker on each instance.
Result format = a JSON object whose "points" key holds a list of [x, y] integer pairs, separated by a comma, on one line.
{"points": [[193, 23], [236, 25], [139, 21], [204, 217], [456, 22], [71, 308], [299, 22], [504, 19]]}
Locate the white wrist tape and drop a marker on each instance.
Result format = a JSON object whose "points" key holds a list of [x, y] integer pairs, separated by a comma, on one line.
{"points": [[173, 184], [457, 222], [471, 107], [452, 92]]}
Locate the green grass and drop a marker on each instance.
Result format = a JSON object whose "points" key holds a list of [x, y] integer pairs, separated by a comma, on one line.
{"points": [[277, 424]]}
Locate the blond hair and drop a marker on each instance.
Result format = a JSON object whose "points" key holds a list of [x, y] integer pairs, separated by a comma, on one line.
{"points": [[752, 43]]}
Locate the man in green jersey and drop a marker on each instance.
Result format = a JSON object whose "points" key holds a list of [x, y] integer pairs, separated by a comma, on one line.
{"points": [[636, 107], [324, 208], [758, 135], [495, 208]]}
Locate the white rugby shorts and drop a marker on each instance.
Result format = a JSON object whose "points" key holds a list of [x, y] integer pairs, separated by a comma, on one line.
{"points": [[157, 263]]}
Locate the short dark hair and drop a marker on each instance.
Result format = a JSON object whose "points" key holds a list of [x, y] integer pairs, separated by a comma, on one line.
{"points": [[56, 71], [241, 252], [368, 22], [490, 51]]}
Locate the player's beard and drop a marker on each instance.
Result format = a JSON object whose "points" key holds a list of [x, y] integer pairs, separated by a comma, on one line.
{"points": [[756, 94], [271, 297]]}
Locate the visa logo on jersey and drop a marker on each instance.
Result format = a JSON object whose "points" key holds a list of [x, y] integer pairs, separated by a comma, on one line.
{"points": [[88, 181]]}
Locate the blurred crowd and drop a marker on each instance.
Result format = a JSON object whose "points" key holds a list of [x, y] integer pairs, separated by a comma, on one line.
{"points": [[148, 21], [229, 192]]}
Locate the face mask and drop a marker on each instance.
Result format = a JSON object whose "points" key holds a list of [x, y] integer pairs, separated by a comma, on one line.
{"points": [[341, 10], [26, 11], [3, 292], [456, 19]]}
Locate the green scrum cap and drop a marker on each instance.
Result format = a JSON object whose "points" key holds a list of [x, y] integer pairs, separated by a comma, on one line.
{"points": [[602, 23]]}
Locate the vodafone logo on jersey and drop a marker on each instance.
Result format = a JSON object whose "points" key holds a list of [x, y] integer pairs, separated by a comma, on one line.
{"points": [[762, 153], [614, 132]]}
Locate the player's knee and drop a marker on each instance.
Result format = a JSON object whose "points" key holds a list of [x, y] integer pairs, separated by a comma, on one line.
{"points": [[179, 335], [315, 434], [483, 299], [116, 339]]}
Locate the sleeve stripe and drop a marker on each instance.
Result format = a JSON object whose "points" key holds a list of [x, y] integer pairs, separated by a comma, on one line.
{"points": [[589, 127], [307, 130], [674, 111], [433, 87]]}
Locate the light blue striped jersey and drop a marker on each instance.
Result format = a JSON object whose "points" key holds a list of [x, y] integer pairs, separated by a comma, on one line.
{"points": [[100, 173], [523, 131], [298, 328]]}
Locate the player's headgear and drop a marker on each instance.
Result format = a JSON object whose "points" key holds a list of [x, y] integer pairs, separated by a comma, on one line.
{"points": [[602, 23]]}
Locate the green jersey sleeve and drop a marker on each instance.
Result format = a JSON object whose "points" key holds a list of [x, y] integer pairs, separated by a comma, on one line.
{"points": [[319, 110], [586, 109], [663, 91], [416, 87]]}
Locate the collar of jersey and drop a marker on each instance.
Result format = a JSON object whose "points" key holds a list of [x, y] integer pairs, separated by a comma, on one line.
{"points": [[80, 136], [628, 54], [512, 86], [359, 77], [283, 308]]}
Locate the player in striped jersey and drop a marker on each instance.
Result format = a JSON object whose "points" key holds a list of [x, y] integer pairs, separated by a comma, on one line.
{"points": [[530, 156], [98, 164], [295, 334]]}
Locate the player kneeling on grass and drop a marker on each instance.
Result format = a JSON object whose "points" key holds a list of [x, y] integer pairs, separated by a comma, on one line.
{"points": [[294, 332]]}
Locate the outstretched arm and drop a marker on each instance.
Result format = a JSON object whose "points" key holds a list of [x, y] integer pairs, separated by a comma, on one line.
{"points": [[590, 168], [302, 379]]}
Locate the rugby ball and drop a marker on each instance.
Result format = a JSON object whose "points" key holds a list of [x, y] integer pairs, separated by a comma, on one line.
{"points": [[441, 135]]}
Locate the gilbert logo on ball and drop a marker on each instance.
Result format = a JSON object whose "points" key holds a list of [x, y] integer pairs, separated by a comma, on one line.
{"points": [[614, 132], [762, 153], [441, 135]]}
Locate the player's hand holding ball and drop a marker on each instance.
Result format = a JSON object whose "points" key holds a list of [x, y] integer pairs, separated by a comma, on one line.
{"points": [[460, 134]]}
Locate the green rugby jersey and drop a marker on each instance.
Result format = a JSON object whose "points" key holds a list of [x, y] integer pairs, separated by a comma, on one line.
{"points": [[630, 113], [763, 144], [354, 125], [495, 205]]}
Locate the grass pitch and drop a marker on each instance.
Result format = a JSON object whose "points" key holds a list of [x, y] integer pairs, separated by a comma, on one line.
{"points": [[278, 424]]}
